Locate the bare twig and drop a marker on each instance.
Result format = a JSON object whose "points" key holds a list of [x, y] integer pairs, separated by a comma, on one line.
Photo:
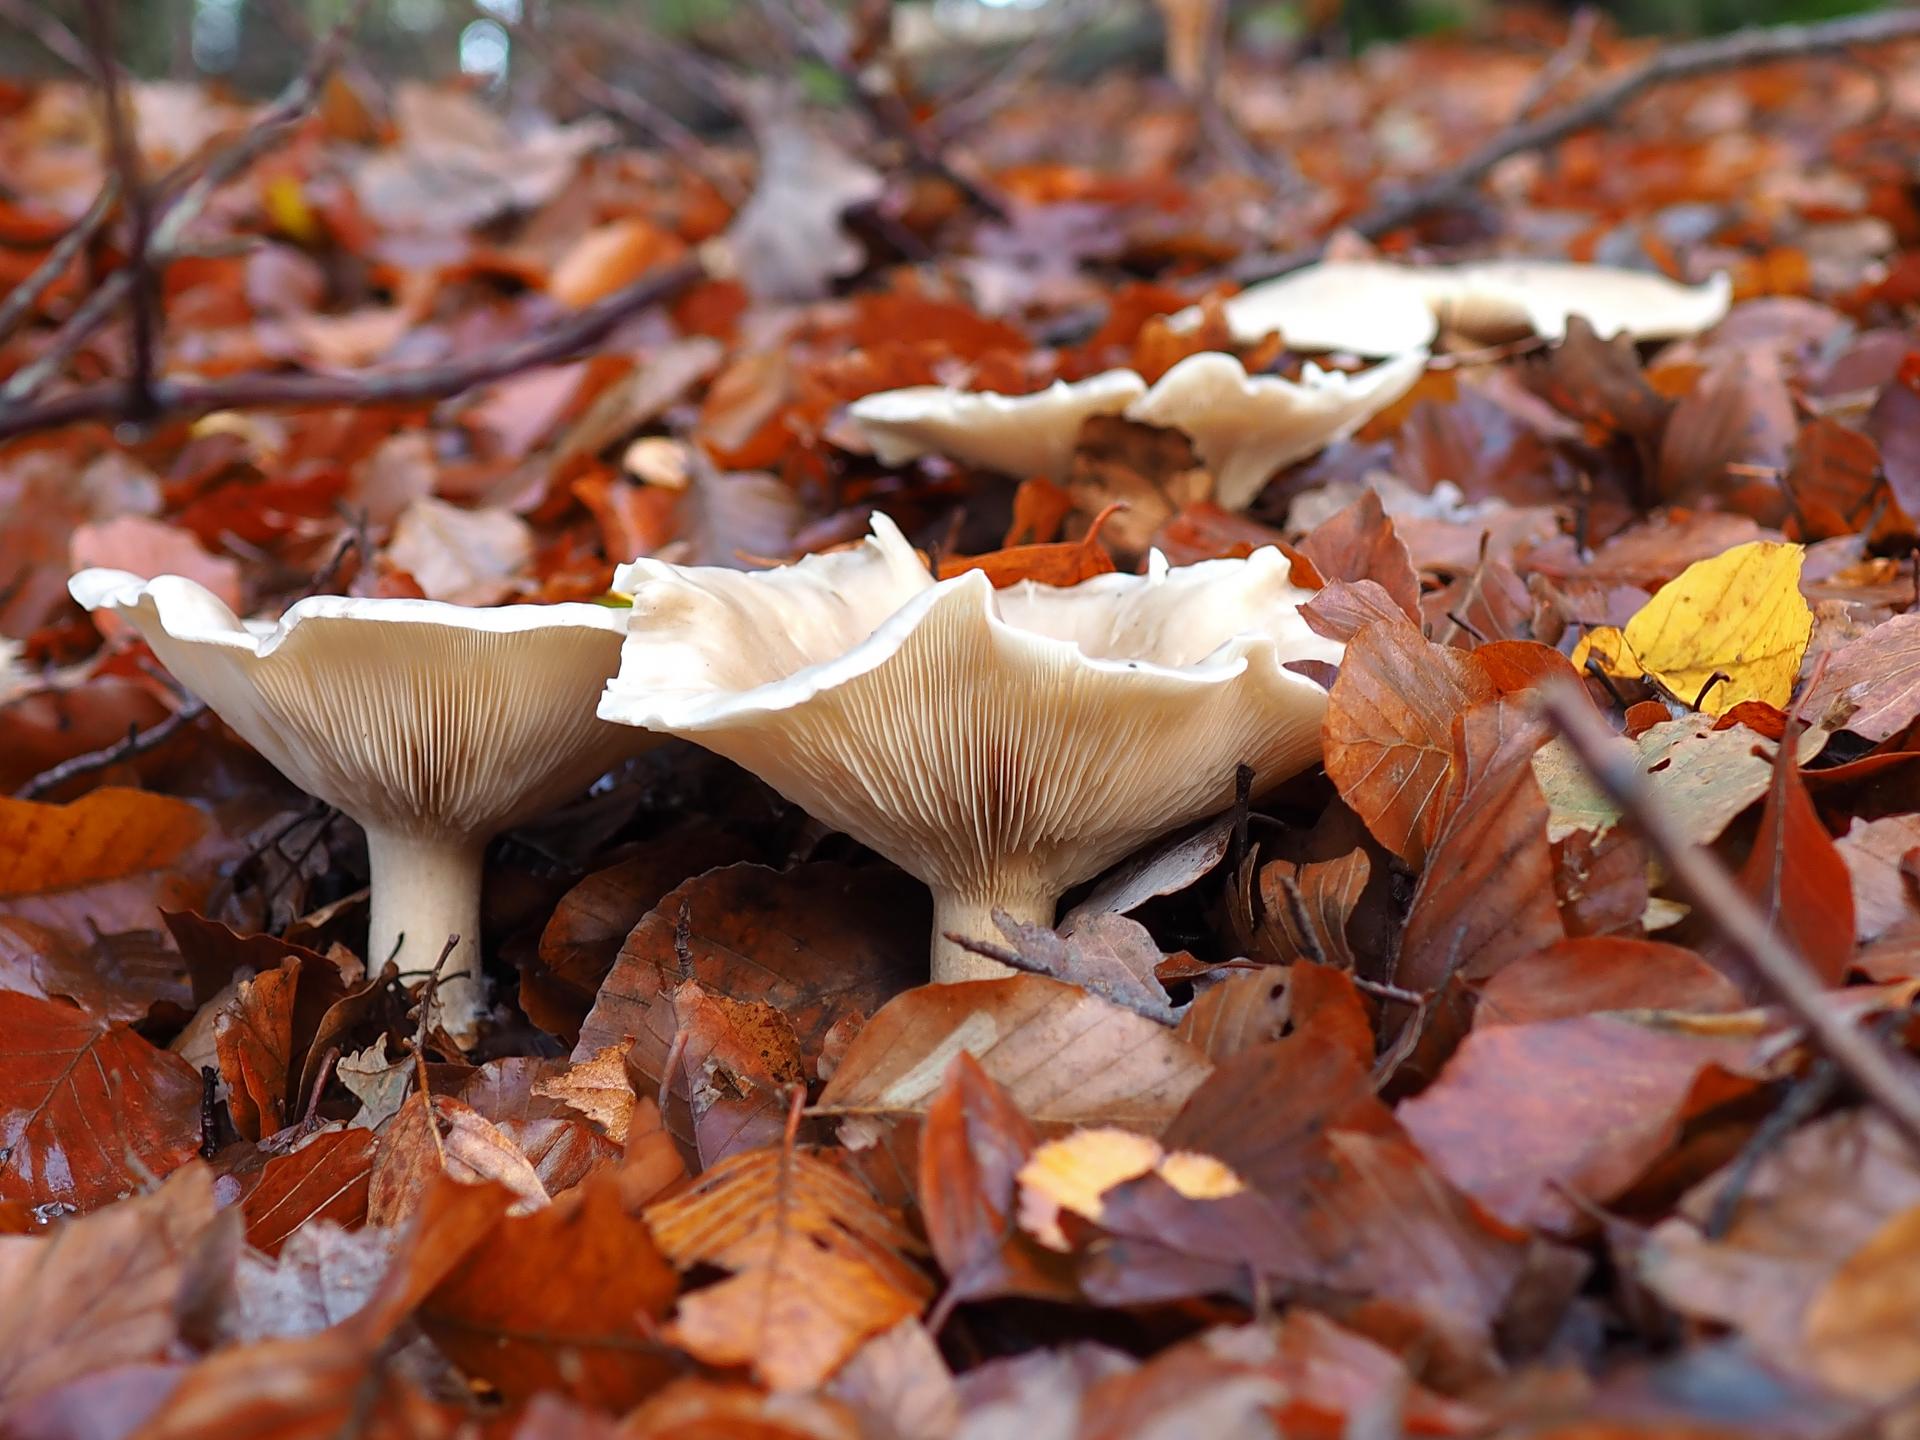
{"points": [[1758, 45], [143, 280], [21, 300], [1865, 1062], [190, 399], [56, 39], [1221, 132], [886, 110], [136, 742], [1562, 63], [185, 199]]}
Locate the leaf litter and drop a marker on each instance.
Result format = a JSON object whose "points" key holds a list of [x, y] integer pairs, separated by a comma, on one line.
{"points": [[1418, 1096]]}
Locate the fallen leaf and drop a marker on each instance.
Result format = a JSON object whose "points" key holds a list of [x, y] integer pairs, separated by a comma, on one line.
{"points": [[323, 1179], [1739, 615], [1064, 1056], [566, 1299], [1359, 543], [89, 1111], [1389, 731], [467, 557], [818, 1266], [107, 834]]}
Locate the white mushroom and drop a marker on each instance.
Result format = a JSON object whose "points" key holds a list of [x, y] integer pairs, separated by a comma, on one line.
{"points": [[1246, 427], [1016, 434], [1000, 745], [1375, 307], [433, 725]]}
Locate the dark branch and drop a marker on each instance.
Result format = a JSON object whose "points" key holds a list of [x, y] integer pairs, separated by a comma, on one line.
{"points": [[1865, 1062], [190, 399], [143, 280], [22, 299], [1756, 46], [137, 742]]}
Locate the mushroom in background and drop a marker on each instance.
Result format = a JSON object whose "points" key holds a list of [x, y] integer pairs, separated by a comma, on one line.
{"points": [[1376, 307], [1246, 427], [1001, 745], [433, 725], [1015, 434]]}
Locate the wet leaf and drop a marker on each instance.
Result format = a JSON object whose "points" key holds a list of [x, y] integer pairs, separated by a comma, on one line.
{"points": [[89, 1112]]}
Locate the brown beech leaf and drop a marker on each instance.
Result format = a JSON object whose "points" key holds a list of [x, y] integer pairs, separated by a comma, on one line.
{"points": [[435, 1138], [1065, 562], [739, 1061], [1523, 1114], [105, 835], [88, 1111], [1601, 880], [813, 942], [1306, 905], [1891, 423], [1247, 1010], [1838, 488], [1871, 686], [330, 1383], [583, 937], [1341, 609], [1874, 852], [1820, 1197], [325, 1178], [598, 1089], [1596, 973], [101, 1290], [42, 962], [253, 1037], [567, 1298], [1163, 868], [1063, 1055], [1797, 877], [1110, 955], [694, 1409], [817, 1265], [973, 1143], [1389, 731], [1359, 543], [1486, 896]]}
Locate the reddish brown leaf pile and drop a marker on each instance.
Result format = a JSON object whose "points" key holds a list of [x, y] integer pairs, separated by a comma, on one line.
{"points": [[1420, 1099]]}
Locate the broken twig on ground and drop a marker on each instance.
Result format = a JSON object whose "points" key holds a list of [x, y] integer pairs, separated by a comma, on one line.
{"points": [[1783, 972]]}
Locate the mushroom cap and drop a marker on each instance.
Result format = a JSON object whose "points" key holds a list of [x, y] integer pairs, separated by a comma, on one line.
{"points": [[415, 716], [986, 741], [1375, 307], [1246, 427], [1015, 434]]}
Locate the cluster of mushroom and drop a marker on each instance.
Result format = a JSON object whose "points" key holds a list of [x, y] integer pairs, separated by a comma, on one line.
{"points": [[1002, 745], [1245, 427]]}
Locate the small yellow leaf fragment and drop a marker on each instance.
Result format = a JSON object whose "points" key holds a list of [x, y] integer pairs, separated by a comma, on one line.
{"points": [[1075, 1172], [1739, 614], [1607, 645], [288, 211]]}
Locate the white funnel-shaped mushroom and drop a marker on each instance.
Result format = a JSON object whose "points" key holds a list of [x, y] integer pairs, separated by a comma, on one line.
{"points": [[1014, 434], [1375, 307], [1248, 426], [1000, 745], [435, 726]]}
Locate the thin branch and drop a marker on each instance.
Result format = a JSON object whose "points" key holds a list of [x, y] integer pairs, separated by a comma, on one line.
{"points": [[56, 39], [1218, 128], [188, 199], [886, 110], [21, 300], [190, 399], [143, 266], [1759, 45], [1865, 1062], [136, 742], [1561, 64]]}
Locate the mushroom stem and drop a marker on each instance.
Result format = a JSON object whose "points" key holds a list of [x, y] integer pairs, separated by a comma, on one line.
{"points": [[972, 916], [425, 890]]}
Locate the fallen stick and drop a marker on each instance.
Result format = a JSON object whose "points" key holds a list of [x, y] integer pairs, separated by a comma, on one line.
{"points": [[1864, 1062]]}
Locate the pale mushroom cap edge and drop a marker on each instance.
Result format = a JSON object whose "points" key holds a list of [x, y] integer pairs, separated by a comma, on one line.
{"points": [[414, 715]]}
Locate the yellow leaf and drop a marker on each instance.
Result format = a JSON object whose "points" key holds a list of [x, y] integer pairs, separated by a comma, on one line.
{"points": [[1076, 1171], [287, 208], [1606, 644], [1740, 614]]}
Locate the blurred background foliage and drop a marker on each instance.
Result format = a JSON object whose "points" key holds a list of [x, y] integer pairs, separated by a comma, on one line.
{"points": [[254, 45]]}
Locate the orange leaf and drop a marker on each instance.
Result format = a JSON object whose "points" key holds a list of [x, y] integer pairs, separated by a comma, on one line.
{"points": [[1062, 563]]}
